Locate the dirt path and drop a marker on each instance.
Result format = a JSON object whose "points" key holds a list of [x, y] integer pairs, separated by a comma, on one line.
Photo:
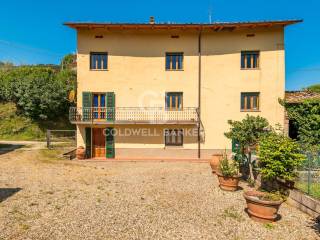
{"points": [[25, 145]]}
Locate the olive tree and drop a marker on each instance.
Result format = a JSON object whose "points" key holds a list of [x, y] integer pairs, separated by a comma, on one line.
{"points": [[247, 133]]}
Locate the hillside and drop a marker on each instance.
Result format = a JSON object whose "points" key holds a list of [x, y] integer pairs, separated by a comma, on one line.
{"points": [[18, 127]]}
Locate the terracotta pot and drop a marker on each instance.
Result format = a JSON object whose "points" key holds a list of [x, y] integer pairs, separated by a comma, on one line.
{"points": [[228, 183], [215, 160], [261, 210], [80, 153]]}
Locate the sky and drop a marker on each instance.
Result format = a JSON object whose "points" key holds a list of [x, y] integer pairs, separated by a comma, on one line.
{"points": [[32, 31]]}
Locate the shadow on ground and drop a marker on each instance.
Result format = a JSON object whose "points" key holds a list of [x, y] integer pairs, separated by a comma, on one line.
{"points": [[8, 192], [5, 148], [316, 225]]}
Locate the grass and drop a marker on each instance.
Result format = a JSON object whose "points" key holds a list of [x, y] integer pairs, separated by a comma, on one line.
{"points": [[50, 155], [231, 213], [314, 188], [269, 226], [19, 127]]}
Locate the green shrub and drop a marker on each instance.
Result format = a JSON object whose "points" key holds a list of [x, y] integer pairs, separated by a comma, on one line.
{"points": [[228, 168], [279, 157], [306, 117]]}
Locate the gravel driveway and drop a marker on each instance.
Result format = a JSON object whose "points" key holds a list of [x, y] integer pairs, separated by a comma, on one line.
{"points": [[44, 198]]}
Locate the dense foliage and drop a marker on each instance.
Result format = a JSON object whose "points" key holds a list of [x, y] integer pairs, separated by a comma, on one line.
{"points": [[279, 157], [228, 168], [247, 133], [67, 61], [39, 92], [306, 117]]}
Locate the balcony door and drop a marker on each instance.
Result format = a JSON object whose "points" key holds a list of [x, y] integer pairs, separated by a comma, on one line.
{"points": [[99, 106], [174, 101]]}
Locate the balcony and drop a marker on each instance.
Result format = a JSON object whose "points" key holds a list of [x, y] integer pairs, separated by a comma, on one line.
{"points": [[133, 115]]}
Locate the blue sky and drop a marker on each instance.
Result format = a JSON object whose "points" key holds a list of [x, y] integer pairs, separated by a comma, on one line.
{"points": [[32, 31]]}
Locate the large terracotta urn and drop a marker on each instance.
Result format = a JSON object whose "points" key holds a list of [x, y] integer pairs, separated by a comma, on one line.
{"points": [[261, 210], [215, 161], [80, 153]]}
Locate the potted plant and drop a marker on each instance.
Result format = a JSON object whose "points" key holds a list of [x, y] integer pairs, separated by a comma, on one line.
{"points": [[80, 152], [246, 134], [215, 161], [279, 157], [228, 174]]}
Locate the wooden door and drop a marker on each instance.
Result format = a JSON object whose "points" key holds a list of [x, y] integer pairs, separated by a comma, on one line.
{"points": [[99, 143]]}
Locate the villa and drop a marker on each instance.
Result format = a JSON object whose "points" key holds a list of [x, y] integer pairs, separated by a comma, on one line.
{"points": [[166, 90]]}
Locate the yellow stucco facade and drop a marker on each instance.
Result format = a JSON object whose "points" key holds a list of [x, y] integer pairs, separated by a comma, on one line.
{"points": [[137, 75]]}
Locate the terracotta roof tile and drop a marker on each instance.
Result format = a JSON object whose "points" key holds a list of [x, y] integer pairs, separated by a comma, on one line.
{"points": [[299, 96]]}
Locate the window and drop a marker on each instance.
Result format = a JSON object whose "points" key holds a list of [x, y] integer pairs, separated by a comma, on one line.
{"points": [[174, 101], [250, 101], [173, 137], [98, 61], [174, 61], [250, 59]]}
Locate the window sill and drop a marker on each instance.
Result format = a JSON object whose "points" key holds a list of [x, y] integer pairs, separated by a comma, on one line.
{"points": [[99, 70], [174, 70], [252, 69], [173, 147], [250, 110]]}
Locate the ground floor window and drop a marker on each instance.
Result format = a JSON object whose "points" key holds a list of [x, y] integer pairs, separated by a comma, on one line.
{"points": [[173, 137]]}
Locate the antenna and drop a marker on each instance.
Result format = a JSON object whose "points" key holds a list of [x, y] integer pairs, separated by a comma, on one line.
{"points": [[210, 14]]}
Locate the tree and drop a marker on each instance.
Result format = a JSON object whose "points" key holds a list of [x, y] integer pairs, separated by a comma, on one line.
{"points": [[6, 65], [67, 61], [314, 88], [38, 93], [247, 133]]}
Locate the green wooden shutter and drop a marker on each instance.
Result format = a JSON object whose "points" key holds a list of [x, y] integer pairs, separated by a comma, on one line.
{"points": [[110, 105], [86, 106], [88, 142], [110, 151]]}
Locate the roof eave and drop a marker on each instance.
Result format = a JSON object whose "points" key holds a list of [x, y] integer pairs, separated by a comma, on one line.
{"points": [[214, 26]]}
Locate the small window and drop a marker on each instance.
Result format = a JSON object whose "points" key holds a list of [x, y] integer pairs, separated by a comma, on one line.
{"points": [[250, 59], [174, 101], [98, 61], [250, 101], [173, 137], [174, 61]]}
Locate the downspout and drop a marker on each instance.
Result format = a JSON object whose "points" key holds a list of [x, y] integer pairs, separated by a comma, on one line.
{"points": [[91, 130], [199, 93]]}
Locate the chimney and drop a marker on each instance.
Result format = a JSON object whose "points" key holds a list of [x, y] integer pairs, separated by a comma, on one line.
{"points": [[151, 21]]}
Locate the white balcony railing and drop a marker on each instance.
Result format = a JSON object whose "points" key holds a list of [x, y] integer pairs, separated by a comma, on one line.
{"points": [[133, 115]]}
